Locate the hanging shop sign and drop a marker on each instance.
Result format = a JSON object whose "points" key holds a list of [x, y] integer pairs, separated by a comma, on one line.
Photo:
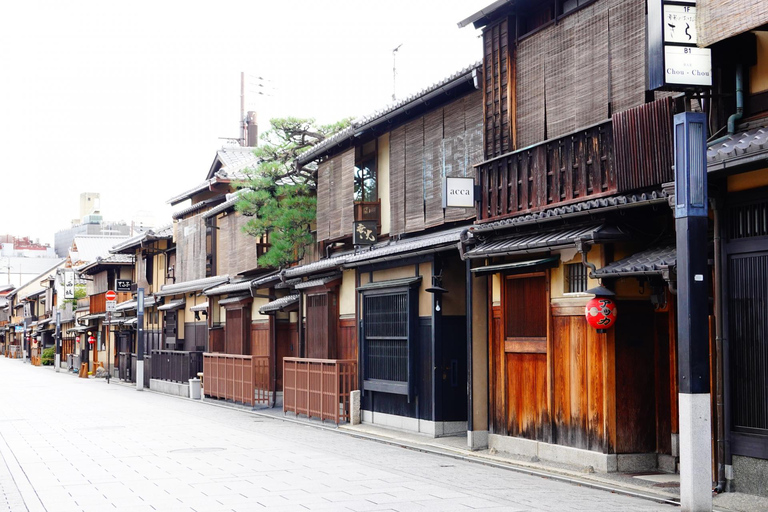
{"points": [[458, 192], [69, 284], [365, 232], [674, 60]]}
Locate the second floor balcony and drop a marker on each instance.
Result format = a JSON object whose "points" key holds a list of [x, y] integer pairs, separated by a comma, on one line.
{"points": [[630, 151]]}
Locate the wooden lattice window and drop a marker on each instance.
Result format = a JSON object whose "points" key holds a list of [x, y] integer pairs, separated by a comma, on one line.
{"points": [[575, 278]]}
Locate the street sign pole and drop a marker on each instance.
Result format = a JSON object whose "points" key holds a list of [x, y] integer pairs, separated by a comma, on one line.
{"points": [[57, 340], [140, 339], [691, 221], [109, 342]]}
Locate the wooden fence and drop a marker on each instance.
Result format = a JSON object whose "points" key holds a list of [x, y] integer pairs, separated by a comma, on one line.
{"points": [[242, 379], [126, 367], [319, 388], [176, 365]]}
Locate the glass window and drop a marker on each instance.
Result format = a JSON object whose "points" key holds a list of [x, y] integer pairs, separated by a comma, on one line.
{"points": [[365, 179]]}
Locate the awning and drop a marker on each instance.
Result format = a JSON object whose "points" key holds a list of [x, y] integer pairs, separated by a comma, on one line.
{"points": [[131, 321], [317, 282], [78, 329], [195, 285], [222, 289], [279, 304], [391, 283], [95, 316], [128, 305], [538, 241], [234, 300], [200, 307], [383, 251], [173, 305], [654, 261], [519, 266]]}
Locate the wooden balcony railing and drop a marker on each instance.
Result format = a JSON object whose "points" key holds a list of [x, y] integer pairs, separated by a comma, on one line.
{"points": [[176, 365], [368, 210], [319, 388], [242, 379], [630, 151]]}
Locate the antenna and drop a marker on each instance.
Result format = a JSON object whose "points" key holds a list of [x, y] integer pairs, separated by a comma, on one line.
{"points": [[394, 71]]}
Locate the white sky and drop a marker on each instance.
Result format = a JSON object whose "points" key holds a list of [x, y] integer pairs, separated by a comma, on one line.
{"points": [[131, 99]]}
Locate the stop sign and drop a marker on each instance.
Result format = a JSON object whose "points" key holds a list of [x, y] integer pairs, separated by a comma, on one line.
{"points": [[110, 295]]}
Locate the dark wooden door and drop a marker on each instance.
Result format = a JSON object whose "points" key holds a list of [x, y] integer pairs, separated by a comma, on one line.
{"points": [[170, 328], [322, 324]]}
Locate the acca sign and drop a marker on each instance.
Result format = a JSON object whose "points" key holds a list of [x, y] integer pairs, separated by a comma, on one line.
{"points": [[458, 192]]}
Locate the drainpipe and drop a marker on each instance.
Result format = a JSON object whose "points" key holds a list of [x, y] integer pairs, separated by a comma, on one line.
{"points": [[739, 107], [583, 248], [470, 373], [723, 446]]}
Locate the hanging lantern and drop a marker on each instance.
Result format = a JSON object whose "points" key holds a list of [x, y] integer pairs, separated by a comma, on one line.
{"points": [[601, 310]]}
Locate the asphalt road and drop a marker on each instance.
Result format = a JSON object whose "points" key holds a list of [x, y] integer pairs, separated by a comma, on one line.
{"points": [[70, 444]]}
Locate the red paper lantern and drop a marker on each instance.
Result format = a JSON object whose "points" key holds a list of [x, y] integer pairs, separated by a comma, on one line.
{"points": [[601, 313]]}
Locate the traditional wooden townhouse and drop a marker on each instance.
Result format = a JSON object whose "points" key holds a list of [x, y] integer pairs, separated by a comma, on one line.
{"points": [[85, 254], [101, 276], [576, 155], [31, 316], [737, 163], [154, 255], [209, 245], [244, 340], [5, 318], [383, 310]]}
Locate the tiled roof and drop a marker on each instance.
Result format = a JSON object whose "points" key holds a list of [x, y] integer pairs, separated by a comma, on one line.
{"points": [[230, 202], [86, 248], [197, 206], [195, 285], [648, 262], [317, 282], [426, 243], [368, 121], [238, 286], [542, 241], [234, 161], [174, 304], [279, 304], [737, 148], [589, 207], [161, 233], [112, 259]]}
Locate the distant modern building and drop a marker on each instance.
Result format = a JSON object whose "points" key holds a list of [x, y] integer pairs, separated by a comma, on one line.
{"points": [[91, 222]]}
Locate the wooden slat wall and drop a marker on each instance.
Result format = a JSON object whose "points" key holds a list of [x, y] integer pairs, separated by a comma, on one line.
{"points": [[627, 48], [190, 249], [323, 199], [346, 193], [454, 149], [414, 175], [433, 168], [397, 179], [496, 74], [498, 375], [720, 19], [236, 250], [559, 87]]}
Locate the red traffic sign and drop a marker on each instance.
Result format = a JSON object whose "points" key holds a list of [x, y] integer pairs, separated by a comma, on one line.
{"points": [[91, 340], [110, 295]]}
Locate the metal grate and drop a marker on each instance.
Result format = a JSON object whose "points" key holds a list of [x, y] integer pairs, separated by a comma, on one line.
{"points": [[575, 278], [748, 323], [386, 337], [748, 220]]}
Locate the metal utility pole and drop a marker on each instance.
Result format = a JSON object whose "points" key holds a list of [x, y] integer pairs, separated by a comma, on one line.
{"points": [[140, 339], [691, 221], [242, 109], [394, 71]]}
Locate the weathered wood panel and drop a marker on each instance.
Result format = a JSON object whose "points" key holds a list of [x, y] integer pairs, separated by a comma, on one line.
{"points": [[497, 90], [635, 388], [346, 345], [397, 179], [260, 341], [414, 175], [527, 395], [498, 373]]}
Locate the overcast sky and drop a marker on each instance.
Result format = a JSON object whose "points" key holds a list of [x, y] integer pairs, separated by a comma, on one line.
{"points": [[132, 99]]}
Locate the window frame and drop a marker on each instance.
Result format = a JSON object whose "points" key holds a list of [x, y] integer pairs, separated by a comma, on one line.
{"points": [[407, 387], [525, 343]]}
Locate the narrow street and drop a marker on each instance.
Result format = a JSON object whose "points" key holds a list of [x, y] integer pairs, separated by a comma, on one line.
{"points": [[69, 444]]}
